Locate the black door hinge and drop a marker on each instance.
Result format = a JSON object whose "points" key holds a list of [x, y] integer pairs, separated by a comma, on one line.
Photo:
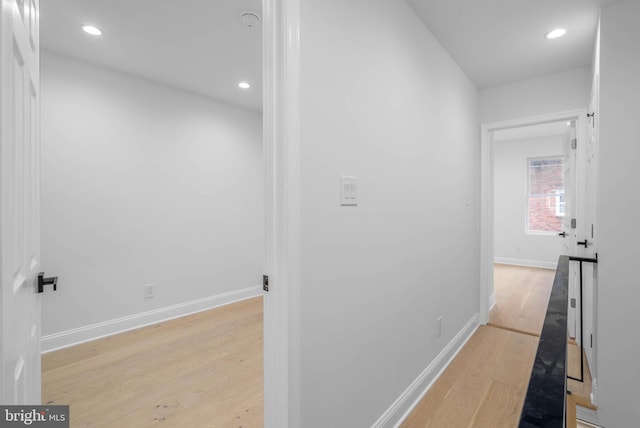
{"points": [[265, 282], [574, 143], [591, 345]]}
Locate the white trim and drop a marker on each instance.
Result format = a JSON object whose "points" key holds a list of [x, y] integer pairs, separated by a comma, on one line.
{"points": [[525, 262], [409, 399], [587, 415], [64, 339], [281, 130], [486, 194], [492, 301], [486, 222], [540, 233]]}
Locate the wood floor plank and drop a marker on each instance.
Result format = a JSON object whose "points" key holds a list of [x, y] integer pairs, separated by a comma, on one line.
{"points": [[522, 296], [500, 408], [521, 351], [458, 412], [474, 379], [423, 413]]}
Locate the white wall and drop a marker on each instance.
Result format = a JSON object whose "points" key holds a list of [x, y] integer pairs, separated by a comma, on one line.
{"points": [[511, 242], [143, 184], [618, 290], [383, 101], [568, 90]]}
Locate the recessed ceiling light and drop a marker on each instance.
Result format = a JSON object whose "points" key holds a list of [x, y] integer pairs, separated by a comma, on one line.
{"points": [[568, 123], [558, 32], [244, 85], [90, 29]]}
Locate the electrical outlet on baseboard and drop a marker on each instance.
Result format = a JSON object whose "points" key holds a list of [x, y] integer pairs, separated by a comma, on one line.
{"points": [[148, 291]]}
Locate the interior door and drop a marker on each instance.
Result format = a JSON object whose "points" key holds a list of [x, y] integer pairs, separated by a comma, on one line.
{"points": [[568, 225], [20, 202], [590, 230]]}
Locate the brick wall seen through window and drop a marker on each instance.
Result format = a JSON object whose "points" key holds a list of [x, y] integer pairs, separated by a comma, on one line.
{"points": [[545, 199]]}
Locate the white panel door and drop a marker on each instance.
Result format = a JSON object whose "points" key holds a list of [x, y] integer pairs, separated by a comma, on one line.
{"points": [[590, 230], [20, 202], [569, 241]]}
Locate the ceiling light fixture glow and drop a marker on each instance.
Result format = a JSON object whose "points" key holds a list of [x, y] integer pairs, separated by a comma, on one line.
{"points": [[244, 85], [90, 29], [558, 32]]}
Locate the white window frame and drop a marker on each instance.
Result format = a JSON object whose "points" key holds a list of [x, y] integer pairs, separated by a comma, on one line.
{"points": [[560, 203]]}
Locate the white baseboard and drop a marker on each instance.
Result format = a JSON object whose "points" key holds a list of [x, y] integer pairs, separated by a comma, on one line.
{"points": [[410, 398], [525, 262], [64, 339], [590, 415], [587, 416], [492, 301]]}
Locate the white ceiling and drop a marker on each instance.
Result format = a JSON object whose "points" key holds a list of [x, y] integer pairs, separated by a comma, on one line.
{"points": [[197, 45], [201, 45], [502, 41]]}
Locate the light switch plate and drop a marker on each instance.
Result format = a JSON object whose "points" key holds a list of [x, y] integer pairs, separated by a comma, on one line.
{"points": [[348, 191]]}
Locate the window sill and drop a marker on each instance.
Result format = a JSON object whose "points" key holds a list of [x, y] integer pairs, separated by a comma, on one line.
{"points": [[542, 233]]}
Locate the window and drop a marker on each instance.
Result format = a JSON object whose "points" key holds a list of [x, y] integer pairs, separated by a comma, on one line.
{"points": [[545, 198]]}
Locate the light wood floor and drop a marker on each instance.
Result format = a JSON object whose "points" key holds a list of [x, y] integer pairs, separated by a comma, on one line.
{"points": [[204, 370], [484, 386], [522, 296]]}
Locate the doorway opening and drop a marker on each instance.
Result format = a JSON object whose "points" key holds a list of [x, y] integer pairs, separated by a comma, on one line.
{"points": [[546, 209], [152, 166], [532, 199]]}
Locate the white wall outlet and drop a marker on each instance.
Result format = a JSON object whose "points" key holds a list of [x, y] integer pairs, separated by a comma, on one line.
{"points": [[348, 191], [439, 327], [148, 291]]}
